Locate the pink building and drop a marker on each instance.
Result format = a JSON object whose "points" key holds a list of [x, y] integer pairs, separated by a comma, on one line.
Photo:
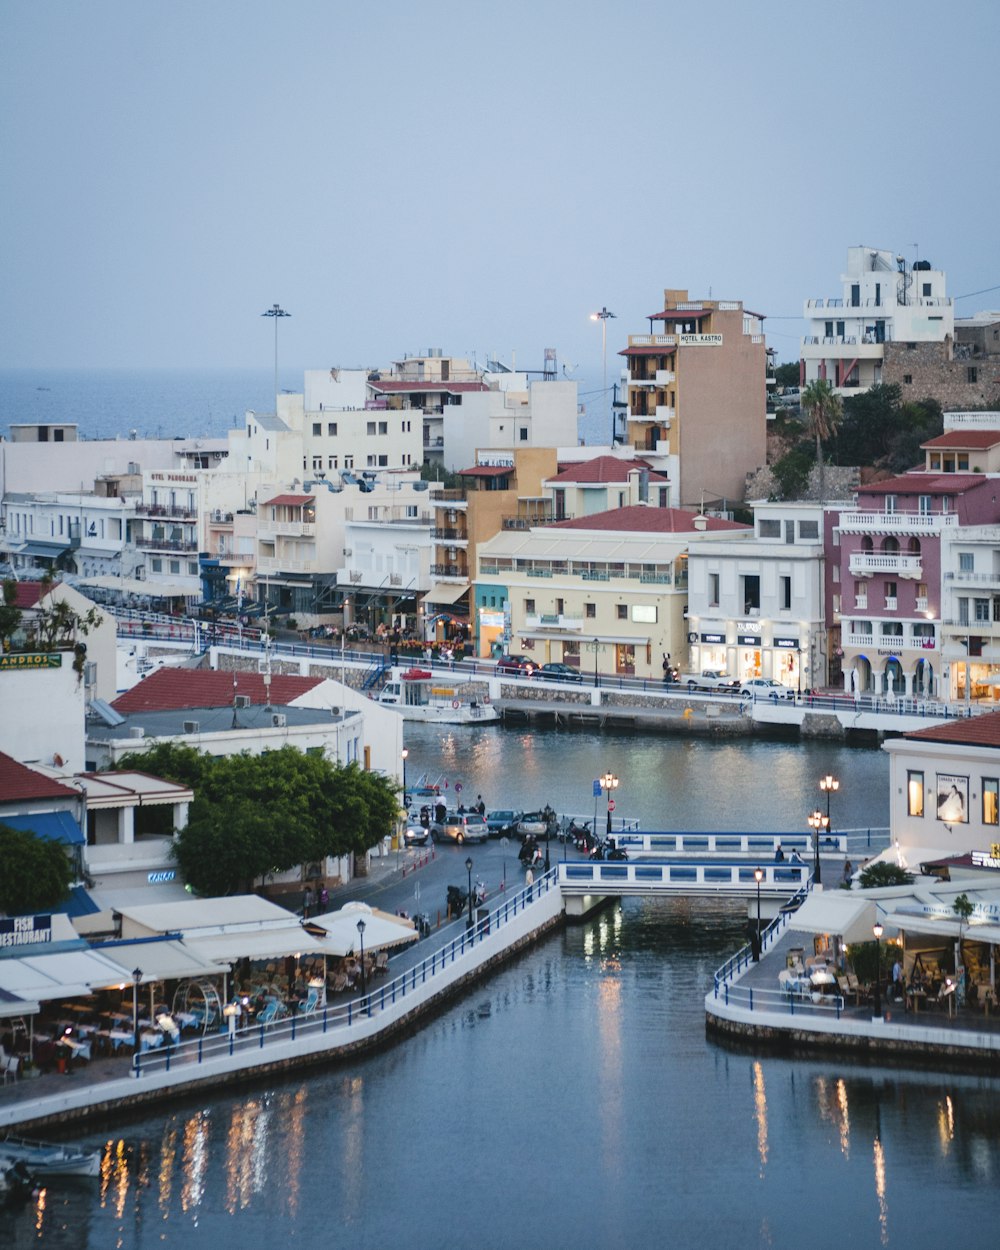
{"points": [[885, 566]]}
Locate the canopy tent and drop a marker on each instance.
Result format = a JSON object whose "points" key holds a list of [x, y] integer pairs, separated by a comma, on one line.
{"points": [[340, 934], [842, 912]]}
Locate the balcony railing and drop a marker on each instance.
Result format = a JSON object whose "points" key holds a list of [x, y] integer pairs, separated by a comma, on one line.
{"points": [[449, 570], [867, 563], [895, 522], [652, 340], [288, 529], [964, 578], [161, 509], [665, 377], [164, 544], [450, 535]]}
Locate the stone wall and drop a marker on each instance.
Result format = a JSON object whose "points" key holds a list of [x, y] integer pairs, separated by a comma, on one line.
{"points": [[934, 376]]}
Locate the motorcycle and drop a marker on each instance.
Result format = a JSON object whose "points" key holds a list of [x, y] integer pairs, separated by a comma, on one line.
{"points": [[574, 831], [606, 849], [458, 900], [530, 853], [585, 839]]}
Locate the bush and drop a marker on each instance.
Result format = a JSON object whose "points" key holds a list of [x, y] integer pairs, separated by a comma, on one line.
{"points": [[883, 873]]}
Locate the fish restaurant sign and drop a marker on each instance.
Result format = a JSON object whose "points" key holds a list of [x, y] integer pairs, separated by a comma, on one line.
{"points": [[31, 659], [25, 930]]}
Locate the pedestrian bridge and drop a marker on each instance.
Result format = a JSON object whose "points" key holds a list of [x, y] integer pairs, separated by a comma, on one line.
{"points": [[763, 845], [681, 877]]}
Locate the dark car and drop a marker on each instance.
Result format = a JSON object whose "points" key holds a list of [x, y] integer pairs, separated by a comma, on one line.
{"points": [[502, 824], [559, 672], [516, 665]]}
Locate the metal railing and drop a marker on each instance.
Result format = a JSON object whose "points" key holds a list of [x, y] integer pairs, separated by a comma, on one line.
{"points": [[343, 1015]]}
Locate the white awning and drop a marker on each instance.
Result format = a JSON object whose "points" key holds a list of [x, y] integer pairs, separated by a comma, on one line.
{"points": [[836, 911], [12, 1005], [443, 592], [382, 930], [227, 948], [63, 974], [132, 586], [158, 961]]}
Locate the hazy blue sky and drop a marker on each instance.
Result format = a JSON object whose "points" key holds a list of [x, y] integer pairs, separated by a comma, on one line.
{"points": [[476, 177]]}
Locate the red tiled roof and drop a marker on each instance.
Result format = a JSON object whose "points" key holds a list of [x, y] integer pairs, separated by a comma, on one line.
{"points": [[19, 783], [924, 484], [486, 470], [974, 731], [431, 385], [681, 314], [171, 689], [605, 469], [641, 519], [28, 594], [965, 438], [293, 501], [649, 351]]}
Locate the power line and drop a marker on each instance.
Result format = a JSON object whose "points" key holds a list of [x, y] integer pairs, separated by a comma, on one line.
{"points": [[985, 291]]}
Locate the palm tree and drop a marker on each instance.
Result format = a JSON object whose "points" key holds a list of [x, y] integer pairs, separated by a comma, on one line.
{"points": [[823, 409]]}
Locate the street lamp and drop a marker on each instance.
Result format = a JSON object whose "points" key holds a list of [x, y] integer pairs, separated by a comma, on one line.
{"points": [[877, 996], [468, 869], [596, 644], [361, 939], [829, 785], [609, 782], [758, 876], [817, 821], [136, 979], [603, 317], [275, 311], [403, 754]]}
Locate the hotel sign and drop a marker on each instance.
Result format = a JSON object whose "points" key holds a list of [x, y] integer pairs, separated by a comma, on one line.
{"points": [[25, 930], [494, 460], [31, 659], [700, 340]]}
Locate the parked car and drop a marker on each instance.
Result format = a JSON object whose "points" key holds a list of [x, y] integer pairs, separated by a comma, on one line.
{"points": [[538, 824], [460, 827], [516, 665], [766, 688], [502, 823], [710, 679], [416, 835], [559, 672]]}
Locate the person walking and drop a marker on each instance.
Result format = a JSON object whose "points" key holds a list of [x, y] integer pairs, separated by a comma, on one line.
{"points": [[308, 898], [324, 899]]}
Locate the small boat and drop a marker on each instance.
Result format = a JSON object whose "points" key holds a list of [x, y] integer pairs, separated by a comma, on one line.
{"points": [[418, 695], [44, 1159], [16, 1183]]}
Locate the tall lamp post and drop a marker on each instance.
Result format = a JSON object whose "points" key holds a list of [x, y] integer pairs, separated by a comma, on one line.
{"points": [[758, 876], [596, 645], [603, 317], [829, 785], [468, 869], [877, 995], [403, 754], [136, 980], [609, 782], [361, 939], [817, 821], [275, 311]]}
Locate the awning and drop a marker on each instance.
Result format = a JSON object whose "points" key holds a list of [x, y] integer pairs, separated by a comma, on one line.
{"points": [[66, 974], [48, 550], [132, 586], [52, 826], [836, 911], [441, 592], [79, 903], [382, 930], [157, 960], [227, 948], [12, 1005]]}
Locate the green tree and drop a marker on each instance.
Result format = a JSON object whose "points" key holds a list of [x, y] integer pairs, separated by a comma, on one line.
{"points": [[10, 613], [174, 761], [791, 472], [823, 408], [787, 374], [883, 873], [36, 872]]}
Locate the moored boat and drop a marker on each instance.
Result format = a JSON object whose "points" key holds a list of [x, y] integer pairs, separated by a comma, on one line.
{"points": [[418, 695], [45, 1159]]}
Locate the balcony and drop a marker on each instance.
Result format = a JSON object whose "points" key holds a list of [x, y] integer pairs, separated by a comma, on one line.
{"points": [[271, 564], [665, 377], [286, 529], [895, 522], [165, 544], [456, 572], [165, 510], [528, 522], [652, 340], [570, 624], [962, 577], [447, 534], [891, 603], [867, 563], [664, 414]]}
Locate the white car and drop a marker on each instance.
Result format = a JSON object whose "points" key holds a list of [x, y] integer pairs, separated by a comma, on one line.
{"points": [[766, 688]]}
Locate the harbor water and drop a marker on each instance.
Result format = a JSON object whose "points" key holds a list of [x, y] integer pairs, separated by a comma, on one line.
{"points": [[573, 1099]]}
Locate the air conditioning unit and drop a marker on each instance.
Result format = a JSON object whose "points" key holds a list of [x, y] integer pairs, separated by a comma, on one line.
{"points": [[90, 674], [137, 732], [335, 711], [242, 700], [191, 727], [278, 720]]}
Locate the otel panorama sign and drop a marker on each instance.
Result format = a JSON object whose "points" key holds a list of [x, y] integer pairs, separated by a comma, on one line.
{"points": [[31, 659]]}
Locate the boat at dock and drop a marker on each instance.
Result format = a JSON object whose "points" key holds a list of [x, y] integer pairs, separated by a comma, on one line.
{"points": [[46, 1159], [420, 695]]}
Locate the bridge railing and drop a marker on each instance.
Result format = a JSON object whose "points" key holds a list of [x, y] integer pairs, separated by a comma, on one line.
{"points": [[763, 844], [463, 946], [736, 877], [752, 998], [738, 963]]}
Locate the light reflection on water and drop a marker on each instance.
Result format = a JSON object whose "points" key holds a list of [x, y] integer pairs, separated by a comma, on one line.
{"points": [[572, 1100]]}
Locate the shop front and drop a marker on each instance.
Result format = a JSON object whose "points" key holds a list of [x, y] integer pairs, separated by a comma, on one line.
{"points": [[787, 662], [748, 650]]}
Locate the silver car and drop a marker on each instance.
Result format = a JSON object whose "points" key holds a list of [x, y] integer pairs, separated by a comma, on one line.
{"points": [[460, 827]]}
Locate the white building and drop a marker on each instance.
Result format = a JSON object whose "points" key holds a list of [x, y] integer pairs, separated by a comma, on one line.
{"points": [[756, 600], [881, 301], [82, 533]]}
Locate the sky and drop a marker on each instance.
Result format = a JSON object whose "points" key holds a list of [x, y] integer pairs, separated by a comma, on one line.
{"points": [[477, 178]]}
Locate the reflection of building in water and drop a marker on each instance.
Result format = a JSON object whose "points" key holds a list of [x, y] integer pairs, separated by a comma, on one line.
{"points": [[832, 1100]]}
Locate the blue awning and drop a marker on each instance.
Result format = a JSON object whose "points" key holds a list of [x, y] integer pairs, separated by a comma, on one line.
{"points": [[53, 826], [49, 550], [79, 903]]}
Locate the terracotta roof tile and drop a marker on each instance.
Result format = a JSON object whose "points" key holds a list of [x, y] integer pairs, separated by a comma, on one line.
{"points": [[172, 689], [28, 594], [292, 500], [605, 469], [641, 519], [974, 731], [924, 484], [19, 783], [965, 438]]}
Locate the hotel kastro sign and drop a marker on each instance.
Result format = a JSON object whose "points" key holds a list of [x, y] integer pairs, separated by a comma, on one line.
{"points": [[700, 340], [31, 659]]}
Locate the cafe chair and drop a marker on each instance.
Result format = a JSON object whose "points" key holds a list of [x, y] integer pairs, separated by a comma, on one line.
{"points": [[11, 1067]]}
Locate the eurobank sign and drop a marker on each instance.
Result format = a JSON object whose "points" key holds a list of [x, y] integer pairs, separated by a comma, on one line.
{"points": [[31, 659]]}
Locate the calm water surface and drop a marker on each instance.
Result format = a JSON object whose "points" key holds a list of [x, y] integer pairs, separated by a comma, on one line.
{"points": [[573, 1100]]}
